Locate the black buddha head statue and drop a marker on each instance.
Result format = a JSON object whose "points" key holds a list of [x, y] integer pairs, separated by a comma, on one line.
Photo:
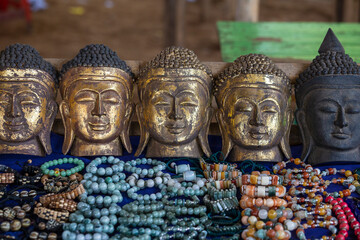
{"points": [[327, 95]]}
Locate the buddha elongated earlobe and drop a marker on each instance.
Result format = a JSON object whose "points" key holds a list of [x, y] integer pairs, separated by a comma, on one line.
{"points": [[69, 133], [125, 133], [227, 144], [44, 135], [305, 134], [144, 135], [284, 143], [203, 134]]}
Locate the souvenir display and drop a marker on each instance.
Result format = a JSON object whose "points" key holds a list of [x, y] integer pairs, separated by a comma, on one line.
{"points": [[96, 88], [27, 101], [254, 114], [175, 111], [328, 105]]}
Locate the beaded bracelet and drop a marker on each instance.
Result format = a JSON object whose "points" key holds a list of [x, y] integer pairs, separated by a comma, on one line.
{"points": [[66, 204], [143, 172], [248, 202], [263, 191], [29, 174], [218, 167], [224, 175], [261, 179], [45, 213], [223, 184], [67, 195], [219, 206], [116, 166], [7, 178], [57, 172], [216, 194]]}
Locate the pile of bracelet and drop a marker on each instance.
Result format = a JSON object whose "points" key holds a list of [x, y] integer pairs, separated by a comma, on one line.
{"points": [[220, 174], [98, 210], [264, 210]]}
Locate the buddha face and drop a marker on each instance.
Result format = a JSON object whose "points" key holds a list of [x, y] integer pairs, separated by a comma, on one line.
{"points": [[255, 117], [23, 108], [174, 111], [332, 117], [96, 110]]}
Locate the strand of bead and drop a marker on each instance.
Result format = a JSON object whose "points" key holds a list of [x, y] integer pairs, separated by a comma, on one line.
{"points": [[96, 216], [263, 191], [57, 172], [264, 179], [130, 166], [248, 202]]}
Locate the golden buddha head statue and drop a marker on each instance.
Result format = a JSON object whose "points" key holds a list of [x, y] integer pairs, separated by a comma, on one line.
{"points": [[175, 111], [27, 101], [96, 87], [327, 96], [254, 115]]}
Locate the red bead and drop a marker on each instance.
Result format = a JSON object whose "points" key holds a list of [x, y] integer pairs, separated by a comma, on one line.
{"points": [[340, 200], [351, 219], [334, 202], [344, 233], [337, 207], [329, 199], [340, 211], [347, 210], [341, 216], [339, 237], [355, 224], [358, 237], [343, 204], [349, 215], [344, 226], [357, 232]]}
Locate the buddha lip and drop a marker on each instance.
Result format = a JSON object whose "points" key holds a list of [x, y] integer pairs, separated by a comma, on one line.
{"points": [[257, 135], [176, 129], [341, 135], [98, 126]]}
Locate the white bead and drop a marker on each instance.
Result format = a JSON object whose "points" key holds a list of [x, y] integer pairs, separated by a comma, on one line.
{"points": [[159, 173], [265, 180], [172, 165], [200, 183], [150, 183], [158, 180], [132, 182], [189, 175], [140, 183], [195, 187], [263, 214], [352, 188], [171, 182], [177, 185], [261, 191]]}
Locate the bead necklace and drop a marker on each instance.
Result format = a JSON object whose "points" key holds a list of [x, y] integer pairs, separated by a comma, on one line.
{"points": [[130, 166], [57, 172]]}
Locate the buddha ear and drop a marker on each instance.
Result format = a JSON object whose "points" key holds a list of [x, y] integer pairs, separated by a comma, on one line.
{"points": [[69, 133], [44, 135], [227, 144], [305, 133], [203, 134], [284, 143], [144, 134], [125, 133]]}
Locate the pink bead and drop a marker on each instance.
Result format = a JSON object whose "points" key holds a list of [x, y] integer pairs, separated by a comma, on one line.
{"points": [[344, 233], [347, 210], [340, 200], [329, 199], [344, 226], [355, 224]]}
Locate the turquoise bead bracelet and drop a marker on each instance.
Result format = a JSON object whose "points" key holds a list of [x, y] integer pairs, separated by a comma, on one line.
{"points": [[80, 166]]}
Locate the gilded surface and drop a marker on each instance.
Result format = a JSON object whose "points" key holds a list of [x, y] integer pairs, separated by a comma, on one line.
{"points": [[174, 113], [255, 118], [27, 111], [96, 111]]}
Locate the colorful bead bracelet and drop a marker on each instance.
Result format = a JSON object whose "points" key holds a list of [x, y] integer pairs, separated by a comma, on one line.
{"points": [[62, 172]]}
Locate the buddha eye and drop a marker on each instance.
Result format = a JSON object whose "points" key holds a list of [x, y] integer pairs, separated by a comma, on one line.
{"points": [[189, 104], [162, 104], [84, 100], [328, 109], [112, 100], [352, 110], [243, 109], [269, 110], [28, 102]]}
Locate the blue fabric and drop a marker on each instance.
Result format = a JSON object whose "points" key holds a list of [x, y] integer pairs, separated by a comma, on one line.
{"points": [[11, 160]]}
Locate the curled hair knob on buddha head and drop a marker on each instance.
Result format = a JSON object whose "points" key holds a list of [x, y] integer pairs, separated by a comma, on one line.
{"points": [[96, 87], [328, 105], [175, 111], [28, 108]]}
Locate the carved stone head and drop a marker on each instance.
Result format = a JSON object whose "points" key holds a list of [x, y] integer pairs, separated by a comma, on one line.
{"points": [[254, 114], [96, 87], [175, 105], [27, 101], [327, 95]]}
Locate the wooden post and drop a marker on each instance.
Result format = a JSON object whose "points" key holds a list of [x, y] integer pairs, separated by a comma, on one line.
{"points": [[247, 10], [348, 10], [205, 10], [174, 22]]}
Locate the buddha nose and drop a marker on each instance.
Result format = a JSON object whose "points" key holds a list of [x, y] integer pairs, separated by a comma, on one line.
{"points": [[14, 110], [257, 117], [99, 109], [340, 120], [175, 113]]}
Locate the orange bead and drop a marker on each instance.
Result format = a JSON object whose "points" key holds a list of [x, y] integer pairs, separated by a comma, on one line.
{"points": [[272, 214], [297, 161], [251, 232], [322, 211], [271, 233], [348, 173], [282, 219], [259, 225]]}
